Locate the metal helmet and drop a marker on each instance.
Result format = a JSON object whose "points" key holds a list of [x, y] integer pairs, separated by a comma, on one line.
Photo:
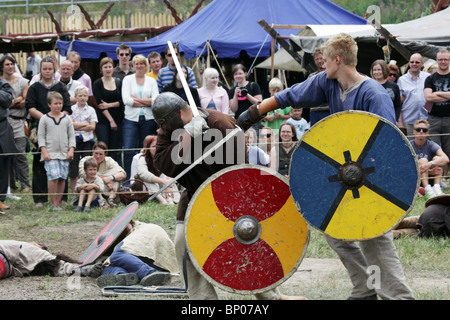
{"points": [[166, 108]]}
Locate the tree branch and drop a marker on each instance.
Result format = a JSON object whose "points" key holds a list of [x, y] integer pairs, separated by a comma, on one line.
{"points": [[173, 11], [104, 15], [87, 17], [57, 26]]}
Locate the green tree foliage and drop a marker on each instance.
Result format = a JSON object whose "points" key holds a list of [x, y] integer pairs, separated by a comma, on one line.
{"points": [[392, 11], [183, 7]]}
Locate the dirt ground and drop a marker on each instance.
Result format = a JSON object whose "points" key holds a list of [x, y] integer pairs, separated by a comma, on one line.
{"points": [[73, 240]]}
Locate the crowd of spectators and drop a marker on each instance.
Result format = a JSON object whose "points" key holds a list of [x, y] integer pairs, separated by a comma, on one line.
{"points": [[115, 111]]}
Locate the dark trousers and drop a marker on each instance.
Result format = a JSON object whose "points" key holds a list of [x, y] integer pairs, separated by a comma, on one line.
{"points": [[82, 150], [4, 178], [134, 133], [39, 181]]}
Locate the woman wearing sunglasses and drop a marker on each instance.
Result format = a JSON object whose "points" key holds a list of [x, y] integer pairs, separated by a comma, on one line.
{"points": [[394, 72]]}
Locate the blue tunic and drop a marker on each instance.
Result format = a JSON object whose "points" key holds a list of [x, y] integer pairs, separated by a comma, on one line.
{"points": [[369, 96]]}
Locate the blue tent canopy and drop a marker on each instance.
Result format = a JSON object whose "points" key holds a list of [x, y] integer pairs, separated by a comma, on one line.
{"points": [[230, 25]]}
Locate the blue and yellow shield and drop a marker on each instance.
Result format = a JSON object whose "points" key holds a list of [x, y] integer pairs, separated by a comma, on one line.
{"points": [[354, 176]]}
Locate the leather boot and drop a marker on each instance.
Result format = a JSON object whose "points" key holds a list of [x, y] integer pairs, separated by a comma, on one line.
{"points": [[410, 222], [3, 206]]}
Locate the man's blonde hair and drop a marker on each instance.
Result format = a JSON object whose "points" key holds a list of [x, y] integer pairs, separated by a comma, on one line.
{"points": [[425, 122], [344, 46], [443, 51]]}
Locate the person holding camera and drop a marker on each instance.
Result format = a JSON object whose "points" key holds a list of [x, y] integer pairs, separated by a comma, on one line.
{"points": [[244, 94]]}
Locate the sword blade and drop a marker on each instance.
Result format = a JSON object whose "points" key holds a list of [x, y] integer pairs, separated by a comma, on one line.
{"points": [[183, 80]]}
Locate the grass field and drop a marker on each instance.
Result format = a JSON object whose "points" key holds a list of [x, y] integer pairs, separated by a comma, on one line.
{"points": [[421, 258]]}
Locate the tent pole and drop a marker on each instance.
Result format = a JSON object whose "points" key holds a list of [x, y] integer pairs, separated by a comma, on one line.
{"points": [[284, 44], [272, 52], [215, 58], [283, 72], [208, 59], [196, 61], [394, 42]]}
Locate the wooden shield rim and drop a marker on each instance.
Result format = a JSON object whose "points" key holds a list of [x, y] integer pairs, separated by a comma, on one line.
{"points": [[134, 204], [194, 259], [408, 144]]}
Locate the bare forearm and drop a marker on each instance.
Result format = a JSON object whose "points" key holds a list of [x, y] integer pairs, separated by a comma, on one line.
{"points": [[35, 114], [234, 104], [142, 102], [444, 95], [437, 96]]}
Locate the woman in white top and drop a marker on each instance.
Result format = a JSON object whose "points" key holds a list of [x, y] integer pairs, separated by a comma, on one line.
{"points": [[211, 95], [138, 92]]}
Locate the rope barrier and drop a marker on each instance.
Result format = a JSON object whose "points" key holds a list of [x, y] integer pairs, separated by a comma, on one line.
{"points": [[75, 151], [96, 193], [274, 143], [147, 192], [132, 149], [140, 149]]}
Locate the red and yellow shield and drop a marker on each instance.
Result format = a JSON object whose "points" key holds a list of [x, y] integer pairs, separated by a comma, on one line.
{"points": [[243, 230]]}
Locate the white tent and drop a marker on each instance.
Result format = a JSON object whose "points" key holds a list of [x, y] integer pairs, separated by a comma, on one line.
{"points": [[433, 29], [425, 35], [313, 34]]}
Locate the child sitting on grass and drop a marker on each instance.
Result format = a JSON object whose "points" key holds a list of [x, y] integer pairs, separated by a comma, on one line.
{"points": [[89, 187]]}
